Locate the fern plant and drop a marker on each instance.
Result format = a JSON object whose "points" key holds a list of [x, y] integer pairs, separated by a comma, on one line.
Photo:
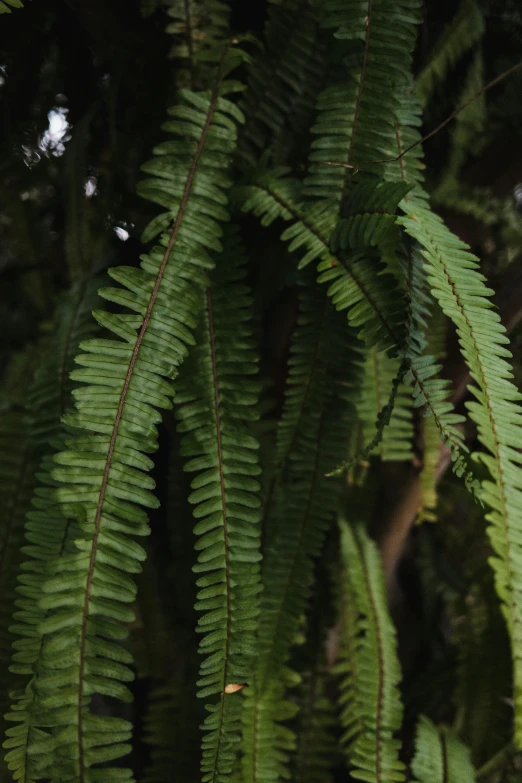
{"points": [[229, 541]]}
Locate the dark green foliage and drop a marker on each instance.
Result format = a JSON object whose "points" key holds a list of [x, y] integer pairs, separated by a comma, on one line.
{"points": [[369, 667], [247, 396], [440, 756], [217, 397]]}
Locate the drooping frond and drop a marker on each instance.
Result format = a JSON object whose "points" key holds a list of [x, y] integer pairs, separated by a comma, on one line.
{"points": [[311, 364], [316, 746], [365, 289], [356, 115], [217, 393], [409, 167], [17, 463], [45, 531], [103, 480], [283, 83], [440, 757], [483, 717], [367, 214], [463, 296], [300, 515], [460, 35], [369, 667], [196, 26]]}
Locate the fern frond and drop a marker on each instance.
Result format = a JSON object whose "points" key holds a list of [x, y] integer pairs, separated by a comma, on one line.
{"points": [[384, 409], [440, 757], [431, 435], [103, 476], [283, 83], [356, 116], [408, 121], [217, 394], [197, 26], [369, 667], [483, 717], [16, 482], [300, 515], [312, 363], [316, 746], [462, 295], [368, 293], [460, 35], [368, 213], [45, 531]]}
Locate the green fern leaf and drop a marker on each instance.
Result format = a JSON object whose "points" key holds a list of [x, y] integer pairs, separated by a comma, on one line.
{"points": [[45, 531], [283, 83], [440, 757], [369, 667], [197, 26], [103, 477], [384, 409], [462, 295], [316, 747], [300, 514], [217, 396], [354, 127], [368, 293]]}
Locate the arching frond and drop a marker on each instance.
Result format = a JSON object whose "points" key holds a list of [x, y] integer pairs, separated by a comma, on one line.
{"points": [[283, 83], [369, 667], [103, 480], [197, 26], [313, 436], [463, 296], [354, 126], [368, 293], [217, 396], [440, 757], [45, 531]]}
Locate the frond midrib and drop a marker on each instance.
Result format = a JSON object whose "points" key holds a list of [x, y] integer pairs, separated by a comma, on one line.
{"points": [[378, 636], [217, 412], [360, 88], [297, 548]]}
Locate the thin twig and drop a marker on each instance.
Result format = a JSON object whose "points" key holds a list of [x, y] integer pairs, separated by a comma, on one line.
{"points": [[436, 130]]}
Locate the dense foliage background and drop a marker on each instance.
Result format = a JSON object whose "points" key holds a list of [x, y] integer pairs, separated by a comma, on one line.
{"points": [[84, 90]]}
